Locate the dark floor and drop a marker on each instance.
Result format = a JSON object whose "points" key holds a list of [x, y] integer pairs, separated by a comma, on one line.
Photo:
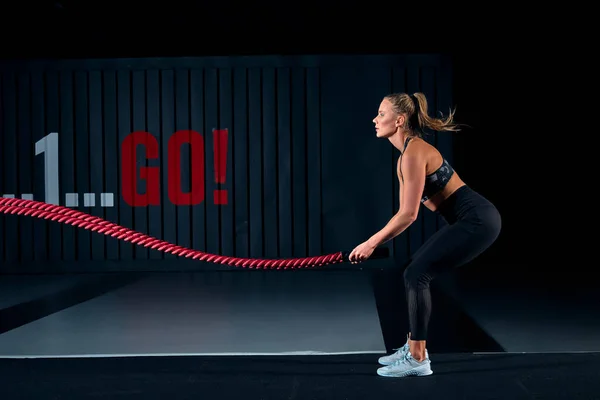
{"points": [[456, 376], [452, 330], [156, 335]]}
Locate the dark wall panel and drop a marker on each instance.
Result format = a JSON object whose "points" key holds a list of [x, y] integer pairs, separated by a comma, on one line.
{"points": [[10, 163], [239, 152], [3, 133], [257, 157], [111, 155], [355, 183], [66, 139], [313, 163], [24, 245], [46, 118]]}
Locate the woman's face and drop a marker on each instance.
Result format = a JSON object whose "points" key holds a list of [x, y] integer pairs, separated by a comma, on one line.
{"points": [[386, 120]]}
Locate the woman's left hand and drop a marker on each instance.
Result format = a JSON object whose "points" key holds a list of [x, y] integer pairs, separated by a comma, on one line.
{"points": [[361, 253]]}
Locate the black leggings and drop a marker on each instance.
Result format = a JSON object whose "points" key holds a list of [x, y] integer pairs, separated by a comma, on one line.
{"points": [[473, 225]]}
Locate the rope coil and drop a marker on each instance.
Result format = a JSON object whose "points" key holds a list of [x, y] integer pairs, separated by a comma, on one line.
{"points": [[80, 219]]}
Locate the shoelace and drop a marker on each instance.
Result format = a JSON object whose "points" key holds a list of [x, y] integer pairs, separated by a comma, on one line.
{"points": [[405, 347], [403, 360]]}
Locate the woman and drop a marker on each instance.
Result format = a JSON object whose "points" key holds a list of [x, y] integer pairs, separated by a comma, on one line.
{"points": [[426, 178]]}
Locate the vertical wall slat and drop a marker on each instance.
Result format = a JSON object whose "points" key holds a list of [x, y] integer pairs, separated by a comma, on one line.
{"points": [[225, 122], [66, 150], [313, 143], [270, 157], [182, 122], [153, 127], [10, 152], [96, 159], [211, 122], [300, 157], [284, 163], [255, 158], [40, 102], [82, 157], [240, 162], [49, 233], [124, 128], [112, 151], [167, 107], [138, 124], [198, 213], [35, 109], [25, 160], [3, 164]]}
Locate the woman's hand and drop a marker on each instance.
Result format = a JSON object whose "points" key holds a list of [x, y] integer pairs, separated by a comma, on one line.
{"points": [[361, 252]]}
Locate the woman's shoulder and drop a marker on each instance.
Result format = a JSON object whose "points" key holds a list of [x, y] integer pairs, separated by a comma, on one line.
{"points": [[424, 151], [420, 147]]}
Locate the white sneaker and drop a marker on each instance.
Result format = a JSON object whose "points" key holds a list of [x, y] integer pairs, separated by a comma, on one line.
{"points": [[406, 366]]}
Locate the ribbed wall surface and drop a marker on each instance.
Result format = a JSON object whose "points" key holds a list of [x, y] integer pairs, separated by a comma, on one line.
{"points": [[288, 141]]}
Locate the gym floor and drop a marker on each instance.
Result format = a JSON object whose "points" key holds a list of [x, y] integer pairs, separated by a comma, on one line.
{"points": [[283, 334]]}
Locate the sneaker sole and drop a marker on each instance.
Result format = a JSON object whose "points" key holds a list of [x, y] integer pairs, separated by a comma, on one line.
{"points": [[419, 371]]}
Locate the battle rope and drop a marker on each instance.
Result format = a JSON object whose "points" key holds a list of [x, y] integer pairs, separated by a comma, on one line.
{"points": [[95, 224]]}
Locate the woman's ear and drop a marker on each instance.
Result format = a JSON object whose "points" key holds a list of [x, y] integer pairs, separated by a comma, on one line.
{"points": [[400, 120]]}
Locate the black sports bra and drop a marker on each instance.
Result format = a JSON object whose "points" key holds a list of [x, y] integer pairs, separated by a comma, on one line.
{"points": [[435, 181]]}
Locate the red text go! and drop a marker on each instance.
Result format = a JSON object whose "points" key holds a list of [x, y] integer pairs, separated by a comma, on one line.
{"points": [[130, 175]]}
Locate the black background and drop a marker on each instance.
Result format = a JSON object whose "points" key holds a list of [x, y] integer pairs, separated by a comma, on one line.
{"points": [[507, 76]]}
